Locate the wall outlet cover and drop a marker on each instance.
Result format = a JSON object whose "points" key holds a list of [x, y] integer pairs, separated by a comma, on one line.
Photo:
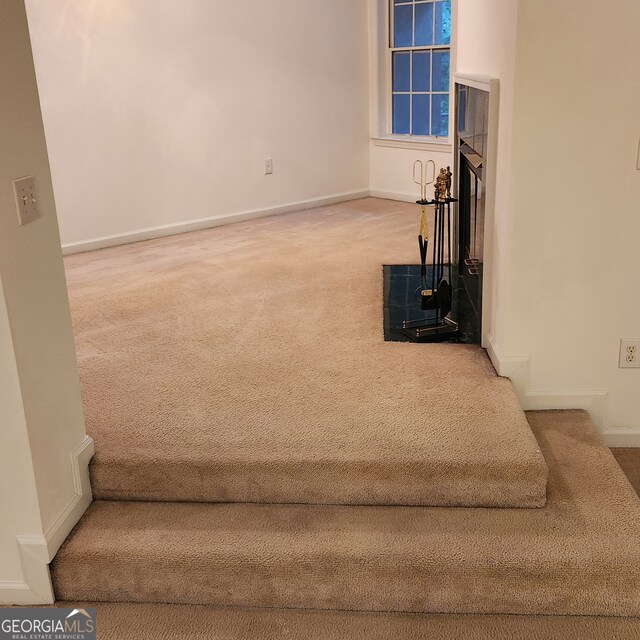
{"points": [[629, 353]]}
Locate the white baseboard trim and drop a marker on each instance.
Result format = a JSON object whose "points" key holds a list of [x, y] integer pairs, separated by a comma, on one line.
{"points": [[14, 592], [622, 437], [35, 588], [37, 551], [58, 531], [516, 368], [206, 223], [505, 366], [392, 195], [592, 400]]}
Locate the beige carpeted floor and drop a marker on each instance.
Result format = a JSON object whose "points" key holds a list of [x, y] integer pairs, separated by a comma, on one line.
{"points": [[246, 363], [175, 622], [578, 555]]}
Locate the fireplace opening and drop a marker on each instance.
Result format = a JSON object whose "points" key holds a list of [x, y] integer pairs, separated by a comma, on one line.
{"points": [[471, 135]]}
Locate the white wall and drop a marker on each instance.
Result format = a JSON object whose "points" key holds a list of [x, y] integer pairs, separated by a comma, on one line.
{"points": [[44, 486], [391, 161], [575, 257], [392, 171], [160, 112], [567, 218]]}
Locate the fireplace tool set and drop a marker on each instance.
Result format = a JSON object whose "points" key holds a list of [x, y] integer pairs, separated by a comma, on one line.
{"points": [[437, 296]]}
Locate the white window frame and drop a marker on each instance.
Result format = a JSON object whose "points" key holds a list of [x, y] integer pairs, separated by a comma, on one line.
{"points": [[383, 135]]}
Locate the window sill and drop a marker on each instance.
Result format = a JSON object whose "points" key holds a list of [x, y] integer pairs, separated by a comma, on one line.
{"points": [[424, 144]]}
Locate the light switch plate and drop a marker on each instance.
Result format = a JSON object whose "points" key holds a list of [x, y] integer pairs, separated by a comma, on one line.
{"points": [[26, 199]]}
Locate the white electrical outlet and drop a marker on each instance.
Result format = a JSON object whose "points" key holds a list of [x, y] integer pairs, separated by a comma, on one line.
{"points": [[26, 200], [268, 166], [629, 353]]}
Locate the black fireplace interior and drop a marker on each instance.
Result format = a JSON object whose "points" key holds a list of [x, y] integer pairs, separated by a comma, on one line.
{"points": [[471, 145]]}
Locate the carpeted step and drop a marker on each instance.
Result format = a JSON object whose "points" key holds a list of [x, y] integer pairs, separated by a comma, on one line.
{"points": [[188, 622], [247, 363], [579, 555], [384, 446], [399, 442]]}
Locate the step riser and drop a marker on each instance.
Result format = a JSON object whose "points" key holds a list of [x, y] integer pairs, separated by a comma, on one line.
{"points": [[355, 483], [399, 588], [156, 622]]}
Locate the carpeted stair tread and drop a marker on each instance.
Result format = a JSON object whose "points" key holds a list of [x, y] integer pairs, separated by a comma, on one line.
{"points": [[188, 622], [578, 555], [246, 363]]}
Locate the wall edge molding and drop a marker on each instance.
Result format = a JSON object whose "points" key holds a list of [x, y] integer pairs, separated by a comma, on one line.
{"points": [[58, 531], [176, 228]]}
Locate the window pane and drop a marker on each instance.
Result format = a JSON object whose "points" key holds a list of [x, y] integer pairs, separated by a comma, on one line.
{"points": [[424, 24], [443, 22], [402, 25], [402, 1], [420, 120], [401, 113], [421, 71], [440, 78], [439, 115], [401, 66]]}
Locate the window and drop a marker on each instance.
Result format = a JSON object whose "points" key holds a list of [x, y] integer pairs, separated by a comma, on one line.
{"points": [[420, 55]]}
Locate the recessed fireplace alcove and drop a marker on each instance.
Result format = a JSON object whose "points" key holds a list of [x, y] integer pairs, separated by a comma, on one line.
{"points": [[468, 268]]}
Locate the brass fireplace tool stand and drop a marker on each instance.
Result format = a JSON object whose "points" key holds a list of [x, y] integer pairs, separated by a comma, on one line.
{"points": [[437, 297]]}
